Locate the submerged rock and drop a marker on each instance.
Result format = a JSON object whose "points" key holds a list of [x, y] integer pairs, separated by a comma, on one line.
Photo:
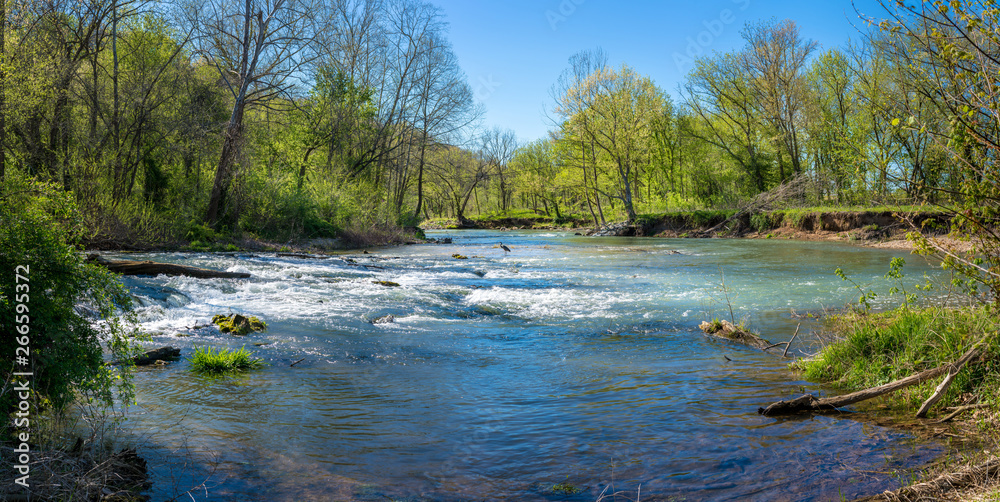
{"points": [[156, 356], [388, 284], [615, 230], [386, 319], [239, 324]]}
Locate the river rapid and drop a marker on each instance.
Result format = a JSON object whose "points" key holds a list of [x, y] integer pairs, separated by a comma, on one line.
{"points": [[570, 364]]}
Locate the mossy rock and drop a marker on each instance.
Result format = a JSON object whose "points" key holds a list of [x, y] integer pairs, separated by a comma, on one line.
{"points": [[388, 284], [459, 257], [239, 324]]}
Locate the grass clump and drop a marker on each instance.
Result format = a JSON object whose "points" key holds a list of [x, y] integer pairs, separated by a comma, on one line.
{"points": [[877, 348], [207, 360], [565, 488]]}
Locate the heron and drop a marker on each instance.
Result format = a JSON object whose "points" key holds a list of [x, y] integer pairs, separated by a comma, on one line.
{"points": [[504, 248]]}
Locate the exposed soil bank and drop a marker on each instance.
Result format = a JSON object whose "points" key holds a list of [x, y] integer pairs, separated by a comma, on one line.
{"points": [[799, 224]]}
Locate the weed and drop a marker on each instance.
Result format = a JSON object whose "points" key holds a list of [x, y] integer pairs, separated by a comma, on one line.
{"points": [[866, 295], [206, 360], [565, 488]]}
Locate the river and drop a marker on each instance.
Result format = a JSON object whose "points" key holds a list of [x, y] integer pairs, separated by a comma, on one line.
{"points": [[570, 362]]}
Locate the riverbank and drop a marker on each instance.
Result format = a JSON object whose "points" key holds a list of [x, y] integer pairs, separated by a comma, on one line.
{"points": [[873, 349], [876, 227]]}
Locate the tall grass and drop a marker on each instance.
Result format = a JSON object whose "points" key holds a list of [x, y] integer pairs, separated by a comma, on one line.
{"points": [[206, 360], [875, 349]]}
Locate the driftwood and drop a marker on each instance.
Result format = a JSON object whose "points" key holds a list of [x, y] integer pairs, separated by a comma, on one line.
{"points": [[130, 267], [958, 410], [946, 383], [969, 476], [811, 403], [729, 331], [786, 344]]}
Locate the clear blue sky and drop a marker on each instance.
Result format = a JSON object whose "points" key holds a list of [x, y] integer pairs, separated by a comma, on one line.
{"points": [[514, 50]]}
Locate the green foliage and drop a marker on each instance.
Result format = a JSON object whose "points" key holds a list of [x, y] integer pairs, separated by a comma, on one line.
{"points": [[199, 233], [565, 488], [761, 221], [40, 226], [222, 361], [896, 275], [875, 349], [866, 297]]}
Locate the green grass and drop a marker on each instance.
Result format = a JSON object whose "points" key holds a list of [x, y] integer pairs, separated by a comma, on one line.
{"points": [[691, 219], [207, 360], [565, 488], [875, 349]]}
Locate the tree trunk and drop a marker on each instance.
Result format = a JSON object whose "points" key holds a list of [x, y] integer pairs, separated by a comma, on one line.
{"points": [[420, 176], [232, 146]]}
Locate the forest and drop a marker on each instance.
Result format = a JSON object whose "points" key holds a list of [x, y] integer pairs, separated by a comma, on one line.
{"points": [[289, 118]]}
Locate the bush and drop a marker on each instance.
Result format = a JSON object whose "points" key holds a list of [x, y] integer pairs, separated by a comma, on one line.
{"points": [[206, 360], [761, 222], [39, 224]]}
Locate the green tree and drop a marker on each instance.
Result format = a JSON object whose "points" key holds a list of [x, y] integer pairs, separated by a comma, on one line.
{"points": [[950, 50], [617, 112], [38, 225]]}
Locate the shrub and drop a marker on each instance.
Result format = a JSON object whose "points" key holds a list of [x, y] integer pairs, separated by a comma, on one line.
{"points": [[206, 360], [761, 222], [39, 224]]}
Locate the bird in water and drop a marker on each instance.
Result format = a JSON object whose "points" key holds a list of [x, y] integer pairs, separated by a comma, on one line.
{"points": [[504, 248]]}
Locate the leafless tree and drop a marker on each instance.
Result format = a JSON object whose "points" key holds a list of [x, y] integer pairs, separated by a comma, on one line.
{"points": [[582, 65], [445, 105], [498, 148], [775, 59], [261, 49]]}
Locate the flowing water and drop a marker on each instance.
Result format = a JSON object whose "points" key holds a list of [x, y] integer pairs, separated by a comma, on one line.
{"points": [[570, 361]]}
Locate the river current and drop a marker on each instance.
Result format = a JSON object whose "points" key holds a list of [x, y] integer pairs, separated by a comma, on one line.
{"points": [[569, 368]]}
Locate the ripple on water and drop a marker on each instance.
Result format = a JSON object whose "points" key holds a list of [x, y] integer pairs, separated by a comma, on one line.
{"points": [[569, 360]]}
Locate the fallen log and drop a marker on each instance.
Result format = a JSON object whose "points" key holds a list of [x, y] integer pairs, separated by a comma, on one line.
{"points": [[946, 383], [811, 403], [130, 267]]}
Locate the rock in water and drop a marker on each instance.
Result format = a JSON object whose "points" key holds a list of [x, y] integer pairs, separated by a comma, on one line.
{"points": [[239, 324], [161, 354], [386, 319]]}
